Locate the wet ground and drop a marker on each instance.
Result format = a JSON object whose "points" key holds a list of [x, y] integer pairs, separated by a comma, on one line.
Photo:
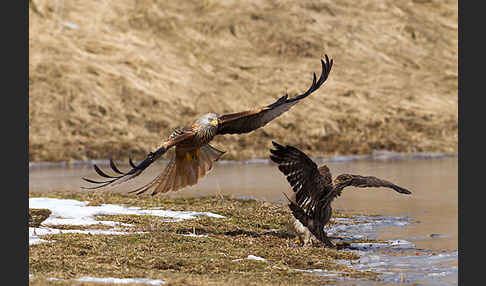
{"points": [[423, 226]]}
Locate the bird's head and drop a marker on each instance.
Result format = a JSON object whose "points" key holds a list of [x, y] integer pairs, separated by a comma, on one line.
{"points": [[208, 120], [326, 174]]}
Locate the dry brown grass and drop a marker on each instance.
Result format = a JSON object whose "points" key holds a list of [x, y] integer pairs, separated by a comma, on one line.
{"points": [[162, 251], [131, 71]]}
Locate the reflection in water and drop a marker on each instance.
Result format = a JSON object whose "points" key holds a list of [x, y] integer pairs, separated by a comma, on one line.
{"points": [[433, 182]]}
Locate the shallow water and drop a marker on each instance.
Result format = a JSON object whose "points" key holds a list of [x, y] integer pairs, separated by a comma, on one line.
{"points": [[432, 208], [398, 260]]}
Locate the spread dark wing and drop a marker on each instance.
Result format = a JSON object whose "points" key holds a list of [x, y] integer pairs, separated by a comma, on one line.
{"points": [[247, 121], [346, 180], [301, 172], [310, 184], [176, 137]]}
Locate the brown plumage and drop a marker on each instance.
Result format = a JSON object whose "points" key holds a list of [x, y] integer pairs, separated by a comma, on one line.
{"points": [[193, 156], [314, 189]]}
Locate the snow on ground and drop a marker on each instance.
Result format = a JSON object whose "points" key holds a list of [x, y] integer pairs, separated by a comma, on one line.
{"points": [[196, 235], [73, 212], [250, 257], [253, 257]]}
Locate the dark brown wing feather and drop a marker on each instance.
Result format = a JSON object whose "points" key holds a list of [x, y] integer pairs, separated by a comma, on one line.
{"points": [[310, 183], [315, 221], [301, 172], [247, 121], [176, 137], [314, 190], [346, 180]]}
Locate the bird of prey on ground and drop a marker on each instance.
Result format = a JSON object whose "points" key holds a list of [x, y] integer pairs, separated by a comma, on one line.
{"points": [[193, 156], [314, 189]]}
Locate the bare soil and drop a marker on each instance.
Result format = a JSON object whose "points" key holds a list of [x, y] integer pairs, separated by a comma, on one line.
{"points": [[113, 78]]}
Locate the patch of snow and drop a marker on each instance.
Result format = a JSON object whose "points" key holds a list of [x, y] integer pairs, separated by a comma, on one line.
{"points": [[73, 212], [253, 257], [47, 230], [35, 232], [250, 257], [195, 235], [33, 239]]}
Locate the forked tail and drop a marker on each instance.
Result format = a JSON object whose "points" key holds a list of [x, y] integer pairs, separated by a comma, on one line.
{"points": [[184, 169]]}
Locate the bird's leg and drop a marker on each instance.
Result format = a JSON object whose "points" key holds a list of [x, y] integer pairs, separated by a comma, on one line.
{"points": [[325, 239], [308, 238], [328, 242]]}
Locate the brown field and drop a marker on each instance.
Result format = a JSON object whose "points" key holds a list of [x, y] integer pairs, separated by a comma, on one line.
{"points": [[113, 78], [162, 251]]}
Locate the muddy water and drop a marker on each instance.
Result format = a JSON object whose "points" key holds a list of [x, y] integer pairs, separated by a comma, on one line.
{"points": [[433, 182]]}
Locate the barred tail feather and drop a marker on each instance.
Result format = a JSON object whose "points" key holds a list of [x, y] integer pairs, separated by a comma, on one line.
{"points": [[159, 180], [186, 168], [168, 178]]}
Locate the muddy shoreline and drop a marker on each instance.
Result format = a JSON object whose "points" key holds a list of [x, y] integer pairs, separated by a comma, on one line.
{"points": [[379, 155]]}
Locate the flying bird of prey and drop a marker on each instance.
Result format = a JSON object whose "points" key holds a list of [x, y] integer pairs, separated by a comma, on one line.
{"points": [[193, 156], [314, 189]]}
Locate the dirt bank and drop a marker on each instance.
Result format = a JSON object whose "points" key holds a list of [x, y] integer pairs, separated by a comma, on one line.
{"points": [[114, 78]]}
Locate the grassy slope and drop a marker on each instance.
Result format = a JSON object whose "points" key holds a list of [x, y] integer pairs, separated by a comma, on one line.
{"points": [[131, 71]]}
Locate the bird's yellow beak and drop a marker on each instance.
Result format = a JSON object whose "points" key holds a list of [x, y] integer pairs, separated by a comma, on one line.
{"points": [[214, 122]]}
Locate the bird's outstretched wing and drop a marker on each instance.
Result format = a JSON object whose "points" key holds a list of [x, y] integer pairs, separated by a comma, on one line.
{"points": [[346, 180], [176, 137], [301, 172], [247, 121]]}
